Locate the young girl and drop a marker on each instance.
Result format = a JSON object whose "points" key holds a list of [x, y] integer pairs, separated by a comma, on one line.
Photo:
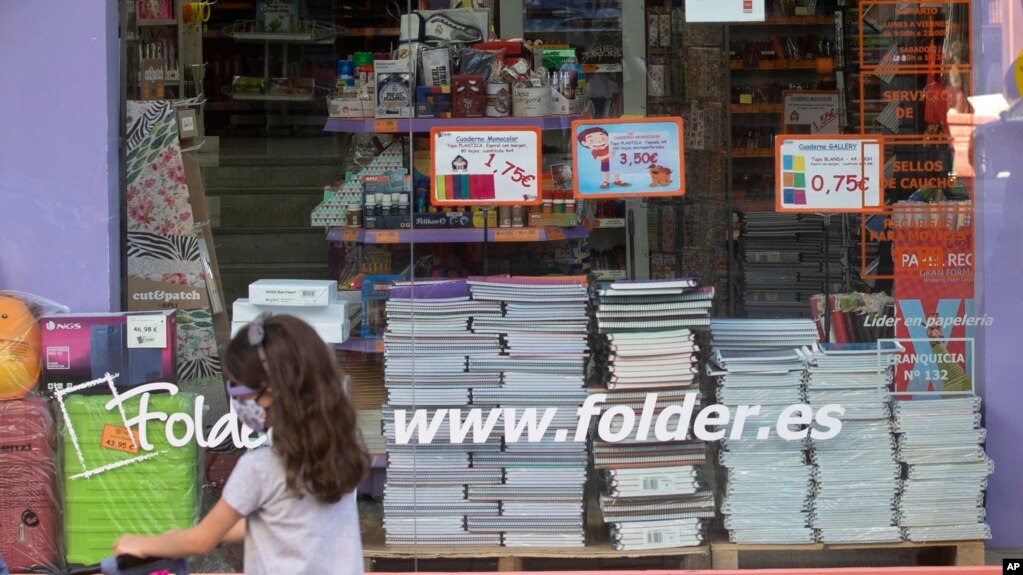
{"points": [[292, 503]]}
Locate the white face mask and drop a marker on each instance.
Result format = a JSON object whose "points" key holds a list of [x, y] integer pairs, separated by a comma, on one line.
{"points": [[251, 413]]}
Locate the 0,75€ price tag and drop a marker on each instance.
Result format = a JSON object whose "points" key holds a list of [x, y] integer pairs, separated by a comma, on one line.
{"points": [[119, 439], [828, 174]]}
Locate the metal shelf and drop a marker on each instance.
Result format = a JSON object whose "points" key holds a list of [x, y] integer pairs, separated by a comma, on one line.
{"points": [[402, 125], [457, 236]]}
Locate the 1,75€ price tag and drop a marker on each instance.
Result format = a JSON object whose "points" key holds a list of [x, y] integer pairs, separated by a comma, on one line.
{"points": [[828, 174]]}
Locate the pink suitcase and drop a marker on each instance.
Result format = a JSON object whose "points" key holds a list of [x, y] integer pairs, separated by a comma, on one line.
{"points": [[29, 525]]}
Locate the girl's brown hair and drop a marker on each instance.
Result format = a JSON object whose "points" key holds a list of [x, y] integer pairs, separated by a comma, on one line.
{"points": [[314, 428]]}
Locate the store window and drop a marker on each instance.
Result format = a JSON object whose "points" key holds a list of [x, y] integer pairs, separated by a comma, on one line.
{"points": [[612, 285]]}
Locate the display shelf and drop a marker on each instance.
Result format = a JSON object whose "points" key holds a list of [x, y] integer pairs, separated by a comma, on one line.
{"points": [[812, 20], [400, 125], [754, 205], [455, 236], [726, 555], [272, 98], [775, 65], [311, 33], [762, 108], [608, 223], [511, 558], [163, 22], [361, 345], [752, 152], [369, 32]]}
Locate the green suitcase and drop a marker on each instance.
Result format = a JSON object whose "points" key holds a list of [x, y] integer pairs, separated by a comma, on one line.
{"points": [[143, 497]]}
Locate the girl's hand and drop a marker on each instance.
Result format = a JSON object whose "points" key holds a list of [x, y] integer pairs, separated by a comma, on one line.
{"points": [[134, 545]]}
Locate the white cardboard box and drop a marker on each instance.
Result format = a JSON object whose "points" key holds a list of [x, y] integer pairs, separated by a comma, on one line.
{"points": [[244, 311], [293, 292], [328, 332]]}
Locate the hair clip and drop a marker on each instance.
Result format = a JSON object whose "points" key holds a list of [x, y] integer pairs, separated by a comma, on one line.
{"points": [[257, 334]]}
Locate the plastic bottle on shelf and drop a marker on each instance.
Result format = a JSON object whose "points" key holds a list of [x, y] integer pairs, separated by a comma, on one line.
{"points": [[403, 204], [364, 79], [345, 74]]}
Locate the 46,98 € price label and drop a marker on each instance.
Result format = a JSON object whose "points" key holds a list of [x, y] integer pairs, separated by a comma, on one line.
{"points": [[828, 174]]}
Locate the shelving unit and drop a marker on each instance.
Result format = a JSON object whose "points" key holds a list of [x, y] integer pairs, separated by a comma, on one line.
{"points": [[421, 125], [467, 235], [756, 108]]}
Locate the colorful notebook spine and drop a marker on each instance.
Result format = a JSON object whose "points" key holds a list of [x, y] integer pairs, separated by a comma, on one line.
{"points": [[466, 187]]}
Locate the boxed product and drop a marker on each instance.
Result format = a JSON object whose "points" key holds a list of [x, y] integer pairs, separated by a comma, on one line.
{"points": [[394, 89], [375, 292], [277, 16], [349, 107], [328, 332], [469, 98], [245, 311], [138, 347], [293, 292], [444, 220], [433, 102]]}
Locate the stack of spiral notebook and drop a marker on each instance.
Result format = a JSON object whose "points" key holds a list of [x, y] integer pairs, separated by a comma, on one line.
{"points": [[767, 485], [783, 256], [940, 443], [427, 344], [542, 367], [653, 492], [856, 472]]}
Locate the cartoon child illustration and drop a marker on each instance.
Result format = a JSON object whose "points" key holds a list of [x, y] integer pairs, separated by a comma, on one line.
{"points": [[460, 164], [598, 142]]}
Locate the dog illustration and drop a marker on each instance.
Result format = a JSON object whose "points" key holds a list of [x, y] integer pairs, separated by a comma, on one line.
{"points": [[659, 176]]}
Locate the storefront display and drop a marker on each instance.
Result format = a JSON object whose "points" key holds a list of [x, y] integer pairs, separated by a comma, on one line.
{"points": [[654, 284]]}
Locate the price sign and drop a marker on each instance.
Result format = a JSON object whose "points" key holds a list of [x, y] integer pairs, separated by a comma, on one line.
{"points": [[628, 158], [555, 234], [385, 126], [119, 439], [350, 234], [517, 235], [386, 237], [485, 166], [147, 331], [811, 112], [829, 174]]}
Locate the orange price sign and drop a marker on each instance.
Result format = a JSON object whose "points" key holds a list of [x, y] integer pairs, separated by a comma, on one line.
{"points": [[351, 234], [385, 126], [555, 234], [386, 237], [119, 439], [517, 235]]}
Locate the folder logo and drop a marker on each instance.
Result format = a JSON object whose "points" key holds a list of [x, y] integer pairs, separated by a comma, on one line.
{"points": [[793, 180]]}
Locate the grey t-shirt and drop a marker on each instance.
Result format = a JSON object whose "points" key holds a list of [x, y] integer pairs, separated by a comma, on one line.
{"points": [[287, 534]]}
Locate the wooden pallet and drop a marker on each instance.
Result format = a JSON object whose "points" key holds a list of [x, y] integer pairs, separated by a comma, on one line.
{"points": [[513, 558], [726, 555]]}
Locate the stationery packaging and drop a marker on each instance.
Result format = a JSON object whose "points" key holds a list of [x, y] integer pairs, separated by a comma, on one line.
{"points": [[531, 98], [394, 89], [293, 292], [498, 100], [137, 347], [433, 102], [436, 67], [468, 99]]}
